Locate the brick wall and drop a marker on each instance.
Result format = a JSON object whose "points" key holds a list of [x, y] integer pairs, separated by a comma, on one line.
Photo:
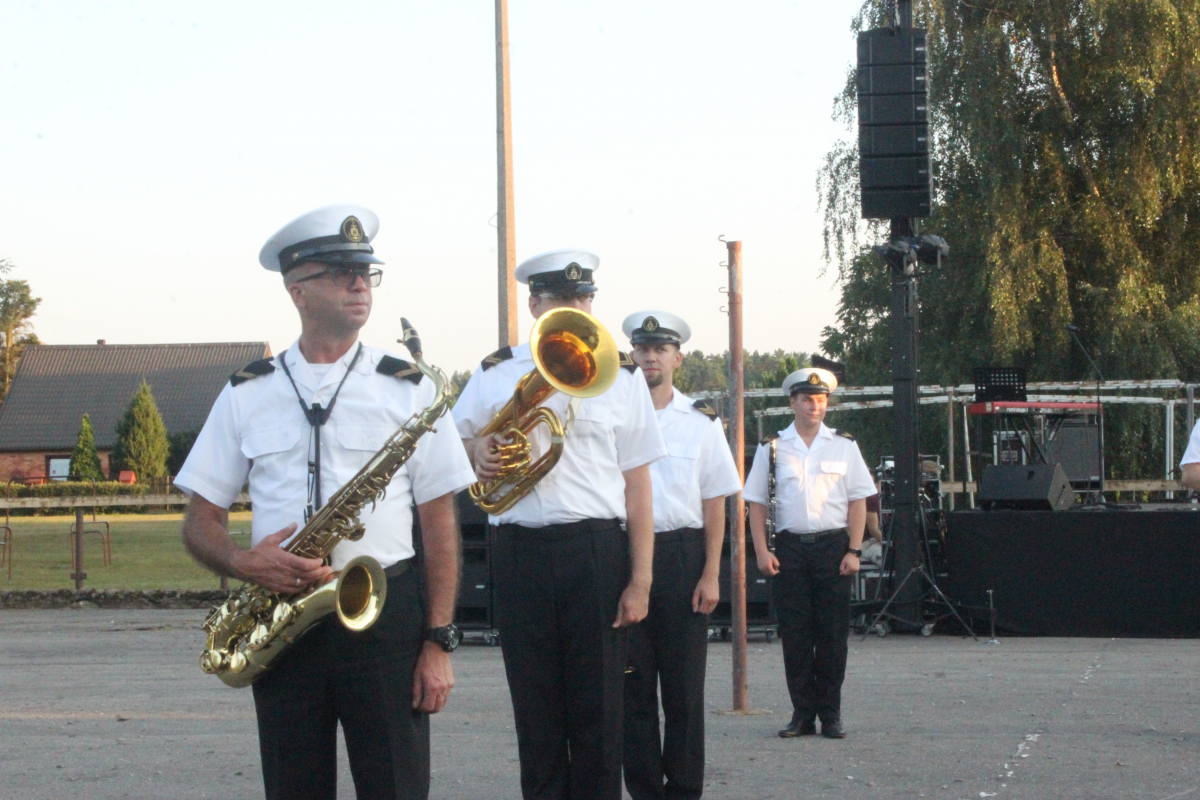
{"points": [[15, 466]]}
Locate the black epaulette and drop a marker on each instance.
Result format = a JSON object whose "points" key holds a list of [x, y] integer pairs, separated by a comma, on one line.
{"points": [[770, 438], [627, 362], [252, 370], [704, 408], [399, 368], [845, 435], [503, 354]]}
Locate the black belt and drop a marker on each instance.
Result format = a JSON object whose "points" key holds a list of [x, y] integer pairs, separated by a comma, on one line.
{"points": [[558, 533], [679, 535], [811, 537], [399, 568]]}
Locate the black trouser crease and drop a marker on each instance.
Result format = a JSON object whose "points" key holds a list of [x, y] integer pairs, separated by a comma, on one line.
{"points": [[812, 602], [669, 648], [556, 592], [364, 680]]}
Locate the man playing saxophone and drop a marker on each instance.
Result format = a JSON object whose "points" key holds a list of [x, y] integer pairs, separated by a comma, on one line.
{"points": [[567, 579], [298, 426]]}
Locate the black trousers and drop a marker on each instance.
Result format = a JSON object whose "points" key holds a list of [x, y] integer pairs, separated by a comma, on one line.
{"points": [[556, 591], [812, 602], [364, 680], [669, 647]]}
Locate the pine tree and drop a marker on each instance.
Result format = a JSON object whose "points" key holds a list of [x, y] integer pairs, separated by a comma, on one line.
{"points": [[142, 441], [85, 461]]}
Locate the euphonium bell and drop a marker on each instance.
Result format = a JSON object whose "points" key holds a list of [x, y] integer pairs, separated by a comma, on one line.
{"points": [[573, 354]]}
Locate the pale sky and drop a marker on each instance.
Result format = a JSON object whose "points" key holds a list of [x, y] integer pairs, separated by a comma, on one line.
{"points": [[149, 149]]}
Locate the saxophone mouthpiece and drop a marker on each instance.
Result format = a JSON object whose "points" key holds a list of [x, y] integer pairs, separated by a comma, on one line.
{"points": [[411, 339]]}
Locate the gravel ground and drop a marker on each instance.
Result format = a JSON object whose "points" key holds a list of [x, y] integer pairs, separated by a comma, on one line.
{"points": [[102, 703]]}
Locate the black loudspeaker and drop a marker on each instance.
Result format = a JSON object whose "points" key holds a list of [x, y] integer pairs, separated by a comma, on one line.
{"points": [[893, 118], [1029, 487], [1076, 445]]}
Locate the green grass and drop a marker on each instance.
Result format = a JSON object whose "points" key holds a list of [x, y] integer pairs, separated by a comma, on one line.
{"points": [[147, 553]]}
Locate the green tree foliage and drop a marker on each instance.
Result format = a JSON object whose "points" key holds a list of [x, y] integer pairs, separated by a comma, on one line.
{"points": [[1067, 160], [85, 461], [180, 444], [142, 442], [703, 372], [17, 307]]}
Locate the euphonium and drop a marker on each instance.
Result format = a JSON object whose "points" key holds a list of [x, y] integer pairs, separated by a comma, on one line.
{"points": [[573, 354], [255, 625]]}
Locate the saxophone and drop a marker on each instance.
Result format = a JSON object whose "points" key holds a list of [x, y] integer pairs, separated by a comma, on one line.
{"points": [[255, 625]]}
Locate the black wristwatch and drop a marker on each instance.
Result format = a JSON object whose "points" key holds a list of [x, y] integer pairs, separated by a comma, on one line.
{"points": [[856, 552], [448, 637]]}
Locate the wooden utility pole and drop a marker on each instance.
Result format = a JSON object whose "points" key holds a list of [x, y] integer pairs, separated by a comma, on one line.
{"points": [[737, 443], [506, 226]]}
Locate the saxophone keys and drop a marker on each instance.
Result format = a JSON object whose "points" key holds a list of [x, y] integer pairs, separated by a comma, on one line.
{"points": [[213, 661], [283, 614]]}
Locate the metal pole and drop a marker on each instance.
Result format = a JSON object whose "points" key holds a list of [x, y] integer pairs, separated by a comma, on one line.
{"points": [[737, 442], [77, 556], [967, 454], [907, 529], [1191, 406], [1170, 448], [950, 439], [506, 224]]}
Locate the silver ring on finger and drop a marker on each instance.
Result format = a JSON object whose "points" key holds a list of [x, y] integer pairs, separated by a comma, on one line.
{"points": [[297, 581]]}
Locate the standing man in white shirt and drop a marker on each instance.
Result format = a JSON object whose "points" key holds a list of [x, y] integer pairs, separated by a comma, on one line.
{"points": [[1190, 463], [671, 644], [821, 486], [568, 580], [299, 426]]}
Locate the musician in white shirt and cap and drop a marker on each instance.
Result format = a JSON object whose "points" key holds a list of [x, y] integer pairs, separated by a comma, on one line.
{"points": [[821, 485], [567, 580], [298, 426], [670, 646]]}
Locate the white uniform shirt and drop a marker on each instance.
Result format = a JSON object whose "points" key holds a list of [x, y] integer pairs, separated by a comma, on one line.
{"points": [[1192, 454], [698, 466], [257, 430], [612, 433], [813, 485]]}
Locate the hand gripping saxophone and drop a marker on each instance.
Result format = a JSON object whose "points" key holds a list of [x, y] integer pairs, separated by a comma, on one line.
{"points": [[255, 625]]}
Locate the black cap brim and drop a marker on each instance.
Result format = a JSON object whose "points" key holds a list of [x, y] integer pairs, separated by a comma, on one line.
{"points": [[343, 257]]}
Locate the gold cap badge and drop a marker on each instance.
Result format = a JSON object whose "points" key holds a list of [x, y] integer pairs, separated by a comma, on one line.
{"points": [[814, 378], [573, 272], [352, 229], [650, 325]]}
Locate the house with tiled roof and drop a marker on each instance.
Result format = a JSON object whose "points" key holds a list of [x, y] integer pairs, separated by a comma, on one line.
{"points": [[55, 385]]}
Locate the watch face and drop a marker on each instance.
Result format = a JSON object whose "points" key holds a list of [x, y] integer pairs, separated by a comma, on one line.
{"points": [[449, 637], [453, 636]]}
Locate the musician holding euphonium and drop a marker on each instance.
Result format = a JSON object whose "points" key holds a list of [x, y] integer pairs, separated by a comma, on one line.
{"points": [[567, 580], [303, 427]]}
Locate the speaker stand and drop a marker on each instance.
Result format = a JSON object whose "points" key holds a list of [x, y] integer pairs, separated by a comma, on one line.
{"points": [[925, 598]]}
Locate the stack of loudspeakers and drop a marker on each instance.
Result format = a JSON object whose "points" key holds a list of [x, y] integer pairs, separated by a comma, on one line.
{"points": [[474, 608], [473, 611], [760, 612], [893, 123]]}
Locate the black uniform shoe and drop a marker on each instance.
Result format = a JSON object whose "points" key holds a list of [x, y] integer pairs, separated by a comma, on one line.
{"points": [[799, 727], [833, 729]]}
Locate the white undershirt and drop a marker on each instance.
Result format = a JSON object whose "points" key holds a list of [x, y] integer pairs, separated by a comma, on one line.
{"points": [[319, 370]]}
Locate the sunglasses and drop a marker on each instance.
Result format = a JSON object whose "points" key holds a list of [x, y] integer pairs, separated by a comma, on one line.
{"points": [[346, 277]]}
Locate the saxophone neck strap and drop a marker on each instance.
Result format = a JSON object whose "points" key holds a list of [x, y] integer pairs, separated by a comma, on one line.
{"points": [[317, 416]]}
